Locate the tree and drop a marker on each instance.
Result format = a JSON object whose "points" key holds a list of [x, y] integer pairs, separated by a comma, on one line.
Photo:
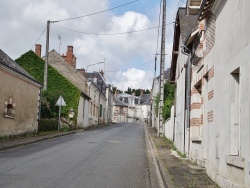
{"points": [[169, 94]]}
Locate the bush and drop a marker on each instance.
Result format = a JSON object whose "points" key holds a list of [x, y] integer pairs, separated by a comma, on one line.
{"points": [[45, 125]]}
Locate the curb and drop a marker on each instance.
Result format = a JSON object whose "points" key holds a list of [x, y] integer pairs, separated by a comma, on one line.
{"points": [[48, 137], [165, 177], [35, 141]]}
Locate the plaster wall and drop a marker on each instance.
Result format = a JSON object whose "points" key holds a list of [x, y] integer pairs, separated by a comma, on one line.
{"points": [[25, 95], [180, 127], [231, 51]]}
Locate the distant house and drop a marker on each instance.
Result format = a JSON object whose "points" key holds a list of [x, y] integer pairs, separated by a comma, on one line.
{"points": [[154, 92], [138, 106], [19, 98], [105, 96], [120, 111]]}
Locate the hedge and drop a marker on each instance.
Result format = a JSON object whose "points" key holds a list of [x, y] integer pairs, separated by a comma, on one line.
{"points": [[45, 125]]}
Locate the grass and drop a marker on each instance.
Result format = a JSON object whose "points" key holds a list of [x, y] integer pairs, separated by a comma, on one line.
{"points": [[172, 146]]}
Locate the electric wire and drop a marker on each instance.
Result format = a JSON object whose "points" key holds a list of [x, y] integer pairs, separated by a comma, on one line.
{"points": [[91, 14], [38, 38], [130, 67], [109, 34]]}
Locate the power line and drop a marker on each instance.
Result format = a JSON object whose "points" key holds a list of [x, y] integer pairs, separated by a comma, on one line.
{"points": [[91, 14], [131, 67], [38, 38], [109, 34], [134, 80]]}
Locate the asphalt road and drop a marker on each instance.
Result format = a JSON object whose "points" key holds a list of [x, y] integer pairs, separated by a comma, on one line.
{"points": [[113, 156]]}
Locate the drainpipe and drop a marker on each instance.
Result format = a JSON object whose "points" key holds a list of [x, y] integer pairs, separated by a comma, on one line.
{"points": [[186, 51]]}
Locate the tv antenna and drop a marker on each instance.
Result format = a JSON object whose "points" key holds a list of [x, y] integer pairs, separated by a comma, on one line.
{"points": [[60, 39]]}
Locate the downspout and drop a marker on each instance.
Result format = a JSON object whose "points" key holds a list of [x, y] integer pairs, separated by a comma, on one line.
{"points": [[186, 51]]}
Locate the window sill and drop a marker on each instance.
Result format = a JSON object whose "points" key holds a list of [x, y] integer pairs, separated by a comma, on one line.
{"points": [[236, 161], [196, 139], [10, 117]]}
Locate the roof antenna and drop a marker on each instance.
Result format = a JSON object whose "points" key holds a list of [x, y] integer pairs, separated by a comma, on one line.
{"points": [[59, 38]]}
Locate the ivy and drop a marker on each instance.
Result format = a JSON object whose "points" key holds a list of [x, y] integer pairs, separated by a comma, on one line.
{"points": [[57, 85], [169, 94]]}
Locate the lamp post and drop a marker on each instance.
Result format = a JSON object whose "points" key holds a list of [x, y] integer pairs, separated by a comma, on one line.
{"points": [[95, 64]]}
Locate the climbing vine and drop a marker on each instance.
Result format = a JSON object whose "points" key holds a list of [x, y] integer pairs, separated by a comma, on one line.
{"points": [[57, 85]]}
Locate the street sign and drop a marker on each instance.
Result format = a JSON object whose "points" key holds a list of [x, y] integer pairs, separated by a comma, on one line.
{"points": [[60, 102]]}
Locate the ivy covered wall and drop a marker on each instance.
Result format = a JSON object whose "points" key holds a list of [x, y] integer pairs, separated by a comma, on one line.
{"points": [[57, 85]]}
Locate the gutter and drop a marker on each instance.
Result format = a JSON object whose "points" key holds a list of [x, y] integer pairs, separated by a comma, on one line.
{"points": [[186, 51]]}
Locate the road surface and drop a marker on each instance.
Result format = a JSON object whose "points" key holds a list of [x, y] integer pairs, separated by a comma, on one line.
{"points": [[113, 156]]}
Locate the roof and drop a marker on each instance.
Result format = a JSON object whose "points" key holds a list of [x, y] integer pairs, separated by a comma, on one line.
{"points": [[205, 8], [184, 24], [146, 99], [8, 62], [118, 102], [166, 74], [99, 79], [68, 71]]}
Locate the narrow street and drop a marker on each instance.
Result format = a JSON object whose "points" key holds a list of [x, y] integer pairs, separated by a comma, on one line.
{"points": [[113, 156]]}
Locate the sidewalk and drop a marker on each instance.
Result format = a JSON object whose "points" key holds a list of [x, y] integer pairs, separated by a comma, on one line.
{"points": [[177, 172], [8, 144]]}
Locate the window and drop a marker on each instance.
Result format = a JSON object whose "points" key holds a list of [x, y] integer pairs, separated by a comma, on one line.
{"points": [[234, 129], [100, 110]]}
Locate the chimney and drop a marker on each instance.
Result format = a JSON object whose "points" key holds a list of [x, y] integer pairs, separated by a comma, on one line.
{"points": [[102, 73], [69, 55], [115, 93], [133, 93], [74, 61], [38, 49], [141, 93]]}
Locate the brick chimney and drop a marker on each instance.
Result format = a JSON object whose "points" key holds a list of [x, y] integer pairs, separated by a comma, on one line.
{"points": [[38, 49], [70, 58], [116, 93]]}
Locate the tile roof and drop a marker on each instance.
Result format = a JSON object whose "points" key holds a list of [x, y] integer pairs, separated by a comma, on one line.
{"points": [[118, 102], [7, 61], [99, 78], [68, 71]]}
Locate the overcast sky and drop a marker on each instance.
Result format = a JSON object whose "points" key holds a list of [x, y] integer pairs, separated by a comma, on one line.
{"points": [[129, 58]]}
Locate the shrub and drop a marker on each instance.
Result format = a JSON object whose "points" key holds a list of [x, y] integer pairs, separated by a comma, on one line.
{"points": [[45, 125]]}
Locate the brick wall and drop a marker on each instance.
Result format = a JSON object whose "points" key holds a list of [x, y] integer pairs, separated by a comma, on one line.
{"points": [[210, 116], [210, 94]]}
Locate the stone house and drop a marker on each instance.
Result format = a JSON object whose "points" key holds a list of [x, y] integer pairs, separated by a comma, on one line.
{"points": [[105, 98], [138, 106], [218, 129], [65, 65], [19, 99], [120, 111], [178, 75]]}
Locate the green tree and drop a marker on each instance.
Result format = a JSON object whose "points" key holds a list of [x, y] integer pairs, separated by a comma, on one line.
{"points": [[169, 97]]}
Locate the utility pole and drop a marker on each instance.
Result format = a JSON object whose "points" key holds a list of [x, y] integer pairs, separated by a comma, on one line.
{"points": [[46, 58], [162, 63]]}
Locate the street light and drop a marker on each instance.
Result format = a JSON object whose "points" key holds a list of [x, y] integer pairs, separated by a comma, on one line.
{"points": [[95, 64]]}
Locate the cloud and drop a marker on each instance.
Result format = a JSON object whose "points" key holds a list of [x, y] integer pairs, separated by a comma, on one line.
{"points": [[24, 21], [133, 78]]}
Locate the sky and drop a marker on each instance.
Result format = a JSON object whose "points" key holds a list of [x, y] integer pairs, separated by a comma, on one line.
{"points": [[129, 58]]}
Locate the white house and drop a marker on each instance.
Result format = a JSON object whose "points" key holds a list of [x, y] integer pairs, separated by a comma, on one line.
{"points": [[217, 131]]}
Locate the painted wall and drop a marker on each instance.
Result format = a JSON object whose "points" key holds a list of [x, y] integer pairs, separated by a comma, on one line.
{"points": [[180, 123], [24, 95], [225, 131]]}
